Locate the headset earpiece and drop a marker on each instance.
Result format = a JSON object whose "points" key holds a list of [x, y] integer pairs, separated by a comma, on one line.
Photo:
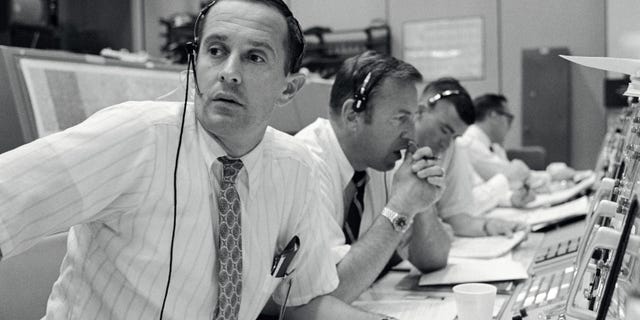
{"points": [[192, 49], [360, 96]]}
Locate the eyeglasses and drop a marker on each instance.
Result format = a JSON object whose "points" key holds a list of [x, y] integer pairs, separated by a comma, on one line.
{"points": [[508, 115], [438, 96]]}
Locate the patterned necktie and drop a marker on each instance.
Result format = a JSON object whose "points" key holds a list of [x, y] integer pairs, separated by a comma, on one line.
{"points": [[354, 210], [230, 242]]}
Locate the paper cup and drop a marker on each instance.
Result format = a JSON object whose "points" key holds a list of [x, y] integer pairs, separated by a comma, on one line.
{"points": [[475, 301]]}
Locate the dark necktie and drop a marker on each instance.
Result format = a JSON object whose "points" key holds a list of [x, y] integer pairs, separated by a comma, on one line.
{"points": [[353, 215], [230, 242]]}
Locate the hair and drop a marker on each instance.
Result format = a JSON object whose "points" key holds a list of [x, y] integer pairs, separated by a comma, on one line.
{"points": [[461, 101], [487, 103], [353, 71], [294, 43]]}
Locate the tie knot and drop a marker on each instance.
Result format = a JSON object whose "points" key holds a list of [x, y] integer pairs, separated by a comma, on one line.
{"points": [[359, 178], [230, 168]]}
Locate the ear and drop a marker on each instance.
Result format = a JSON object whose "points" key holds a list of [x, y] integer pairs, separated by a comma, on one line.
{"points": [[350, 117], [295, 81]]}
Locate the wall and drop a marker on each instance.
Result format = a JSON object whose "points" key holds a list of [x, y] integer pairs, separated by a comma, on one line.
{"points": [[623, 29], [578, 25], [401, 11], [337, 14]]}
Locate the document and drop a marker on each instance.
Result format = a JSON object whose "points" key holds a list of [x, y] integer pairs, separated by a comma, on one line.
{"points": [[412, 309], [462, 270], [531, 217], [484, 247], [549, 199]]}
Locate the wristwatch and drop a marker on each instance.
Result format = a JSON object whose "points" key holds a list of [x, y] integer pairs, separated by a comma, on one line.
{"points": [[399, 222]]}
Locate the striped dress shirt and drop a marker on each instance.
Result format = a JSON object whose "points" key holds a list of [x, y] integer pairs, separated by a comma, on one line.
{"points": [[110, 179]]}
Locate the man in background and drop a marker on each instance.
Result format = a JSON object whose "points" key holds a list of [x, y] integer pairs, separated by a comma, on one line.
{"points": [[445, 111], [485, 144], [372, 104]]}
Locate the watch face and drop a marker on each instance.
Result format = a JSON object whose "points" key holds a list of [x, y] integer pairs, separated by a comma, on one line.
{"points": [[400, 223]]}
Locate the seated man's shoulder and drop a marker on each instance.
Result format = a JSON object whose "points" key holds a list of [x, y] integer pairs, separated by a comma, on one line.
{"points": [[284, 147], [153, 112]]}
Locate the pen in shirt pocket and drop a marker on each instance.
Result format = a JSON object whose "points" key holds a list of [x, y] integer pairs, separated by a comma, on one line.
{"points": [[281, 261]]}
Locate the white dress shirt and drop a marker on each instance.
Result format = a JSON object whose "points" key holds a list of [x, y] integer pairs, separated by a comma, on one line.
{"points": [[335, 173], [110, 179], [491, 192], [487, 158], [457, 196]]}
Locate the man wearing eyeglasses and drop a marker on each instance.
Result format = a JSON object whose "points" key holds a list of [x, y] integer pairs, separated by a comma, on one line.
{"points": [[484, 141], [372, 104], [445, 111], [500, 182]]}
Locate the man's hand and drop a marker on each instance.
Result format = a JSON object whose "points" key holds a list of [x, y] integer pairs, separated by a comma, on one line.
{"points": [[496, 227], [521, 197], [560, 171], [417, 184], [517, 172]]}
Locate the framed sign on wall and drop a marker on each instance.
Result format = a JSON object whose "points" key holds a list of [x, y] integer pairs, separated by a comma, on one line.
{"points": [[445, 47]]}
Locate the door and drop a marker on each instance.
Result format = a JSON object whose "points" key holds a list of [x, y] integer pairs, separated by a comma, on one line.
{"points": [[546, 102]]}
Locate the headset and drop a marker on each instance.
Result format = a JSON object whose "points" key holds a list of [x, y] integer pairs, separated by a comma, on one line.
{"points": [[193, 46], [439, 96], [192, 55], [361, 95]]}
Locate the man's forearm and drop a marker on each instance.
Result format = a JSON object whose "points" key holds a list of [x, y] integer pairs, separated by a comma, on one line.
{"points": [[328, 307], [366, 259], [466, 225], [429, 244]]}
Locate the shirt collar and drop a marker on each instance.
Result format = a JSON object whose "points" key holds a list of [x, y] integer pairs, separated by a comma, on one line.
{"points": [[211, 151], [334, 149], [477, 134]]}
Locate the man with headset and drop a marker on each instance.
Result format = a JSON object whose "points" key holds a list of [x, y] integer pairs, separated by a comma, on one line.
{"points": [[444, 113], [372, 103], [184, 211]]}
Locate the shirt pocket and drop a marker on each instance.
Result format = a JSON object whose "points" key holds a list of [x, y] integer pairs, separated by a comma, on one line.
{"points": [[270, 284]]}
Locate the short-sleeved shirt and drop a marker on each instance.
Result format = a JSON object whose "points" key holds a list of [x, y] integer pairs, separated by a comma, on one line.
{"points": [[487, 158], [489, 193], [457, 196], [335, 173], [110, 179]]}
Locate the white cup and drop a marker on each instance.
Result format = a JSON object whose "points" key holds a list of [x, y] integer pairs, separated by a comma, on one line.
{"points": [[475, 301]]}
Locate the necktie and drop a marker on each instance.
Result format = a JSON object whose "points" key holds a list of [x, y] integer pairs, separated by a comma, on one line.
{"points": [[355, 208], [230, 242]]}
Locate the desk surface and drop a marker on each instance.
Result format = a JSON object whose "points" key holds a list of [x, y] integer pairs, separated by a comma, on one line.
{"points": [[387, 288]]}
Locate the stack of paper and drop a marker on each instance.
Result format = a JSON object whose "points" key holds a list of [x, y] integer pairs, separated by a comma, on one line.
{"points": [[460, 270], [549, 199], [553, 214], [412, 309], [484, 247]]}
